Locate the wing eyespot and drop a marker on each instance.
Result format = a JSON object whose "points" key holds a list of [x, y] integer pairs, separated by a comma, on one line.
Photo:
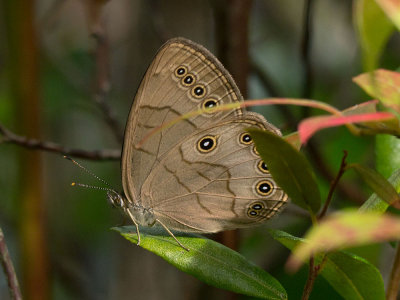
{"points": [[188, 80], [256, 151], [264, 187], [245, 139], [209, 103], [181, 71], [198, 91], [207, 144], [255, 209], [262, 166]]}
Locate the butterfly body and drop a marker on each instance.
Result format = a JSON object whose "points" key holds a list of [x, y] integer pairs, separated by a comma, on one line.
{"points": [[143, 216], [203, 173]]}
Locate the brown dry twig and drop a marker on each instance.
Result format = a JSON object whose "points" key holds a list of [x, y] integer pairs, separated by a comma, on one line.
{"points": [[102, 55], [34, 144], [394, 280], [9, 270], [333, 185]]}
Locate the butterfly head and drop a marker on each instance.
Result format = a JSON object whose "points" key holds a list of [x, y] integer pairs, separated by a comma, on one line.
{"points": [[116, 199]]}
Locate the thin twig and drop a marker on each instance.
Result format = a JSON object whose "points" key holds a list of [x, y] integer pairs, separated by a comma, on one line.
{"points": [[333, 185], [102, 54], [9, 270], [394, 280], [312, 275], [345, 189], [12, 138]]}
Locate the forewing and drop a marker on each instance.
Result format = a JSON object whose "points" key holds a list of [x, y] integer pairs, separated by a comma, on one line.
{"points": [[183, 77]]}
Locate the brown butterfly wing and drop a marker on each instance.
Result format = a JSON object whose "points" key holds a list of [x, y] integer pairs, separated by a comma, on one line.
{"points": [[221, 187]]}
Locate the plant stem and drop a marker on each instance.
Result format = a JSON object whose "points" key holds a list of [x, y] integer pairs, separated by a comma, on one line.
{"points": [[334, 183], [102, 55], [394, 280], [8, 269], [312, 275]]}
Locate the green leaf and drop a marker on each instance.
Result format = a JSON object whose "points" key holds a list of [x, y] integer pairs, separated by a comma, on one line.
{"points": [[211, 263], [387, 154], [377, 183], [362, 108], [289, 168], [373, 28], [376, 204], [392, 10], [350, 275]]}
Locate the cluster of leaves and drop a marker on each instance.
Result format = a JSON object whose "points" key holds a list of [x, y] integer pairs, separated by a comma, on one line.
{"points": [[323, 245]]}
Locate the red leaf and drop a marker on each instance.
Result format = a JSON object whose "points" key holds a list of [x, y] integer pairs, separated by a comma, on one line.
{"points": [[309, 126]]}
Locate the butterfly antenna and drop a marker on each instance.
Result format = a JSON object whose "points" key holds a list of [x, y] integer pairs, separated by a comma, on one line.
{"points": [[89, 172], [92, 187]]}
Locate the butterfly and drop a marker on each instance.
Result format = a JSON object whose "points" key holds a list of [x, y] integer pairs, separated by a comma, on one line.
{"points": [[202, 174]]}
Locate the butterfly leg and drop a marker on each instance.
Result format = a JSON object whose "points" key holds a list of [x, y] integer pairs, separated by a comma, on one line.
{"points": [[136, 224], [171, 234]]}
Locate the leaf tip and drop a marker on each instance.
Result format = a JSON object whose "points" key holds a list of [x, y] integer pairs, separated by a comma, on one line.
{"points": [[293, 264]]}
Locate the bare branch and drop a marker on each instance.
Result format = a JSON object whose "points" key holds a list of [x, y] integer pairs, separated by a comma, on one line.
{"points": [[8, 269], [394, 280], [333, 186], [33, 144], [102, 54]]}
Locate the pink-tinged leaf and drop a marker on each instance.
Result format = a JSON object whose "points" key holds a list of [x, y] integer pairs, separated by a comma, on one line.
{"points": [[293, 139], [310, 126], [344, 230], [392, 10], [350, 275], [383, 85]]}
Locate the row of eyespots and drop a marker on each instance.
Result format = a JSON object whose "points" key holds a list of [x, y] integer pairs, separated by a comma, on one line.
{"points": [[263, 188], [208, 143], [246, 139], [198, 91]]}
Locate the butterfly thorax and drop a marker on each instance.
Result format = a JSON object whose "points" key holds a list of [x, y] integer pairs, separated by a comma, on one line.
{"points": [[143, 216]]}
